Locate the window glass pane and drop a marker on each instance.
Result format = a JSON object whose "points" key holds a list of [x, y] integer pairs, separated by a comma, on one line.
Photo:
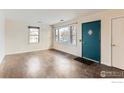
{"points": [[33, 40], [64, 35], [34, 29], [33, 32], [33, 37], [73, 30], [74, 35], [56, 34], [74, 40]]}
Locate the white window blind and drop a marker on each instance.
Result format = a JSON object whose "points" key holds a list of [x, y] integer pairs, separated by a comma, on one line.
{"points": [[34, 33]]}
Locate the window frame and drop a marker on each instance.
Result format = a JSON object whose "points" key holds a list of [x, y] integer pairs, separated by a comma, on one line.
{"points": [[36, 27]]}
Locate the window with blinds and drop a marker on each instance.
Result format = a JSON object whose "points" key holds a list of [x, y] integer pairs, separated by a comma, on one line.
{"points": [[34, 34]]}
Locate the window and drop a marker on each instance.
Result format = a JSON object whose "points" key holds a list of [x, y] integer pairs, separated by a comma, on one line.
{"points": [[73, 35], [34, 34], [66, 34], [57, 34]]}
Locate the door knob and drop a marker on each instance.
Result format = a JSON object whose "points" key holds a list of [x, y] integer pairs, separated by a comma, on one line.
{"points": [[113, 45], [80, 40]]}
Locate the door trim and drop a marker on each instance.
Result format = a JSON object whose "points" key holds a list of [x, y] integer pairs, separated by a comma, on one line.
{"points": [[112, 38], [82, 41]]}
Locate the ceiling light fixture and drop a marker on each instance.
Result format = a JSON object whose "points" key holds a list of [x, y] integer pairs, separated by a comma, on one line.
{"points": [[39, 22], [61, 20]]}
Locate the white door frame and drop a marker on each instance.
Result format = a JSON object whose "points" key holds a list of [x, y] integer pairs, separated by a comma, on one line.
{"points": [[112, 37]]}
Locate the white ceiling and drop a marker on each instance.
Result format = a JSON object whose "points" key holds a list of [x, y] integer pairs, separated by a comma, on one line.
{"points": [[48, 16]]}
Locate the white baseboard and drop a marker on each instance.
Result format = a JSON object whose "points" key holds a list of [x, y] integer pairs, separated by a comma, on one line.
{"points": [[19, 52]]}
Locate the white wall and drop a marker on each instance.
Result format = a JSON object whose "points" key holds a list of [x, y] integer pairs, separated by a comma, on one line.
{"points": [[17, 37], [2, 38], [105, 18]]}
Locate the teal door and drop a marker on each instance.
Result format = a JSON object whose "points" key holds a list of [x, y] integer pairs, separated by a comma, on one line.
{"points": [[91, 40]]}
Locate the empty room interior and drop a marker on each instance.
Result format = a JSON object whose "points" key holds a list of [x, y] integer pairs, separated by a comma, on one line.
{"points": [[61, 43]]}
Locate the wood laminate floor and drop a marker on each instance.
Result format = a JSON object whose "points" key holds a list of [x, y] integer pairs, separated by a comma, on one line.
{"points": [[53, 64]]}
